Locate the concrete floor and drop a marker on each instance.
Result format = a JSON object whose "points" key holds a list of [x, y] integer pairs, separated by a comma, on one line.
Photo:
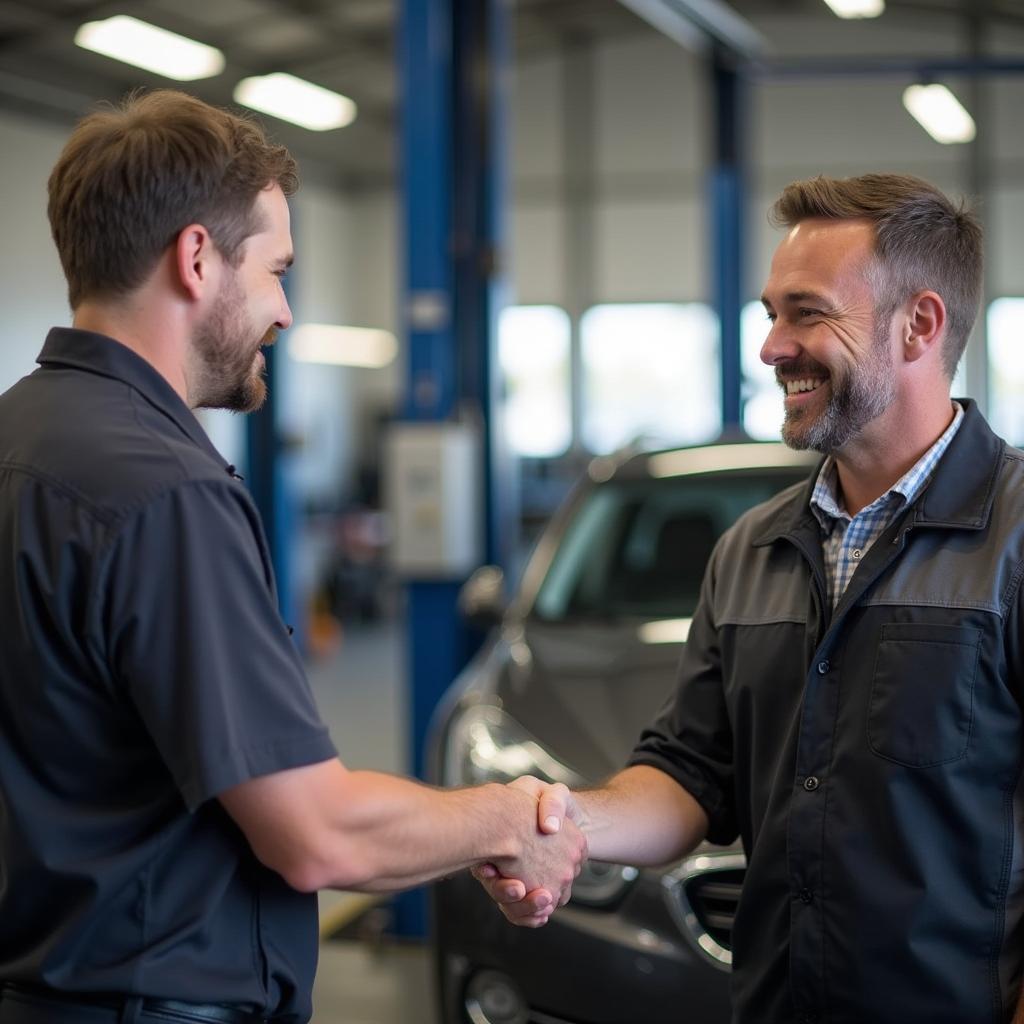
{"points": [[363, 984], [360, 689]]}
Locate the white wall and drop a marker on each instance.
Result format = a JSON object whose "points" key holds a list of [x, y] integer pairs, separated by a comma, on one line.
{"points": [[32, 293], [653, 145]]}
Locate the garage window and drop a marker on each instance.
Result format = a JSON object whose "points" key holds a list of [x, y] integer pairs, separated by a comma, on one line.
{"points": [[1006, 368], [533, 350], [651, 374], [762, 396]]}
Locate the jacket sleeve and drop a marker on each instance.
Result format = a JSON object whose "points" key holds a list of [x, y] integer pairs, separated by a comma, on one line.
{"points": [[691, 738]]}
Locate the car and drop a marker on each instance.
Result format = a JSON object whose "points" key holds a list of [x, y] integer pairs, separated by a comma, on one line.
{"points": [[576, 664]]}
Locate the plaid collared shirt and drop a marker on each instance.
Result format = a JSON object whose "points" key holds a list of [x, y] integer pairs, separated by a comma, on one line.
{"points": [[846, 539]]}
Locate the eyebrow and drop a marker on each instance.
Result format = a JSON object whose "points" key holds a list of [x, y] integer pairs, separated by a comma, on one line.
{"points": [[795, 297]]}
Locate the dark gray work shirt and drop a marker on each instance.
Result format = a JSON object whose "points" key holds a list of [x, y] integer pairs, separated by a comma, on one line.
{"points": [[869, 756], [144, 669]]}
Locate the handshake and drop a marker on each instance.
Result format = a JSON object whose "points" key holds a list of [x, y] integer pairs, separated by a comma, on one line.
{"points": [[530, 885], [640, 816]]}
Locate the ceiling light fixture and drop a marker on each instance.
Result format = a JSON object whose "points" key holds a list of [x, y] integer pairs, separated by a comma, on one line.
{"points": [[135, 42], [939, 113], [365, 347], [296, 100], [857, 8]]}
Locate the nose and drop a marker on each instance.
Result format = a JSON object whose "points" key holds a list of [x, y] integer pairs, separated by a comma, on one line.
{"points": [[284, 319], [779, 346]]}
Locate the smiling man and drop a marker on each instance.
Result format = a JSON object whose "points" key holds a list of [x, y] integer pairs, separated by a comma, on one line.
{"points": [[170, 800], [850, 699], [856, 385]]}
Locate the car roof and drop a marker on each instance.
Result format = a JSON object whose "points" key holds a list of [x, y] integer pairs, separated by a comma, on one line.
{"points": [[713, 458]]}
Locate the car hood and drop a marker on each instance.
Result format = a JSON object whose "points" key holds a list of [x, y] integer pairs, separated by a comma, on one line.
{"points": [[584, 690]]}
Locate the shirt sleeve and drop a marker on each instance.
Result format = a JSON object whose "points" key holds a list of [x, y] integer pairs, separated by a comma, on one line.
{"points": [[691, 738], [195, 640]]}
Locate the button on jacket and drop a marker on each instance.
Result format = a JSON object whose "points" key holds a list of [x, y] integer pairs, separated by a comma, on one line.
{"points": [[870, 756], [144, 669]]}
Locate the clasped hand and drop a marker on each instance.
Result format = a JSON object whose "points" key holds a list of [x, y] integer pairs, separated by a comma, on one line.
{"points": [[529, 892]]}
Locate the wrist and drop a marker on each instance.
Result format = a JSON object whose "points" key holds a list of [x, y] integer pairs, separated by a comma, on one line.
{"points": [[507, 807]]}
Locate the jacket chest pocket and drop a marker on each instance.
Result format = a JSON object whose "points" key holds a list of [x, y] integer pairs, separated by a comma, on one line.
{"points": [[922, 693]]}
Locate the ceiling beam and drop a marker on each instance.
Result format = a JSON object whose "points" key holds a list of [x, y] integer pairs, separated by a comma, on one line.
{"points": [[698, 25]]}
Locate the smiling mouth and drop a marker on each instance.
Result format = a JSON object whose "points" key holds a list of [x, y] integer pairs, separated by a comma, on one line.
{"points": [[804, 384]]}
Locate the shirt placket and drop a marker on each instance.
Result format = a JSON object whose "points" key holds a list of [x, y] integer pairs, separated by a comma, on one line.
{"points": [[806, 834], [807, 819], [835, 561]]}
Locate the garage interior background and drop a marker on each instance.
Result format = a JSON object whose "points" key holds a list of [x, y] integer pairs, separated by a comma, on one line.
{"points": [[608, 263], [610, 142]]}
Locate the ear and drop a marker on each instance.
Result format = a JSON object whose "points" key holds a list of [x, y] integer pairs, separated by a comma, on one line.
{"points": [[925, 326], [197, 261]]}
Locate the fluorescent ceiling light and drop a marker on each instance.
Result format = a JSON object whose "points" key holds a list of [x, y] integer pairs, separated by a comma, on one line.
{"points": [[857, 8], [939, 113], [342, 346], [145, 46], [296, 100]]}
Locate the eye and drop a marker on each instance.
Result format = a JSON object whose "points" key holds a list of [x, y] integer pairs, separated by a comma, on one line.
{"points": [[803, 312], [770, 317]]}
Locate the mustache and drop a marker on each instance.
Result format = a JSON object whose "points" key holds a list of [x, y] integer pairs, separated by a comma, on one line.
{"points": [[796, 368], [269, 338]]}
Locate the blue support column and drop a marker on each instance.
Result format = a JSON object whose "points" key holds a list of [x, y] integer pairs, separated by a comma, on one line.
{"points": [[427, 187], [480, 63], [728, 206], [265, 477], [426, 183], [449, 199]]}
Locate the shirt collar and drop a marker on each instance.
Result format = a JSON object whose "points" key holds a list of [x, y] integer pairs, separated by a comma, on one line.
{"points": [[824, 500], [97, 353]]}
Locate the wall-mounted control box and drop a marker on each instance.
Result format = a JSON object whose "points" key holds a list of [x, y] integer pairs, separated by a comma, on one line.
{"points": [[434, 499]]}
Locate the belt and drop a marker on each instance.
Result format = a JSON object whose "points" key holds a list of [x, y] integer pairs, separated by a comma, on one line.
{"points": [[166, 1009]]}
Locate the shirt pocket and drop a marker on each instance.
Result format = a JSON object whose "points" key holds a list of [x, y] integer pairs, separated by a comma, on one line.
{"points": [[922, 693]]}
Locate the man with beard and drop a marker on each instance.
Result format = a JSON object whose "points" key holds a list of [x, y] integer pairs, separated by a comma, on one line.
{"points": [[169, 799], [849, 702]]}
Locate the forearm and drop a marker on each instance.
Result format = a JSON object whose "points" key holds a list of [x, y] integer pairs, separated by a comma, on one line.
{"points": [[395, 833], [323, 826], [640, 816]]}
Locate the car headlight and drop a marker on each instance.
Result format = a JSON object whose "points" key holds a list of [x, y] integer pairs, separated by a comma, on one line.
{"points": [[485, 744]]}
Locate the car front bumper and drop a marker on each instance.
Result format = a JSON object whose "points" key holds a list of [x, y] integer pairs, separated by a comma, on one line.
{"points": [[621, 965]]}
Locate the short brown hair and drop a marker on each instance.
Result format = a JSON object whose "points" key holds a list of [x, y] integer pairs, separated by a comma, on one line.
{"points": [[132, 176], [922, 241]]}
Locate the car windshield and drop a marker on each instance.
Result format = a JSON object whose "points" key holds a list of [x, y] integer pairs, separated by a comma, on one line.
{"points": [[639, 547]]}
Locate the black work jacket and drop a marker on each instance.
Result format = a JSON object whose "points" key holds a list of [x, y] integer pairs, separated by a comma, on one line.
{"points": [[144, 669], [869, 757]]}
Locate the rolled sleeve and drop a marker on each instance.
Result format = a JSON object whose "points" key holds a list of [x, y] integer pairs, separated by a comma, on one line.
{"points": [[198, 644]]}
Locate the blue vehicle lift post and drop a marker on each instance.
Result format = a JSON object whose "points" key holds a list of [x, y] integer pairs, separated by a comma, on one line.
{"points": [[728, 206], [452, 56]]}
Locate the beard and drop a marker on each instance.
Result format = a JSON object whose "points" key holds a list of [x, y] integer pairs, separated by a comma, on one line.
{"points": [[856, 397], [229, 376]]}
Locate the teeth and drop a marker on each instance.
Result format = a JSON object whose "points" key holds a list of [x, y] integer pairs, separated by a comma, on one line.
{"points": [[794, 387]]}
